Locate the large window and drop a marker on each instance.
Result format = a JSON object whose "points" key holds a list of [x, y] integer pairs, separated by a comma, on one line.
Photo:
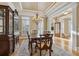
{"points": [[25, 22], [40, 27]]}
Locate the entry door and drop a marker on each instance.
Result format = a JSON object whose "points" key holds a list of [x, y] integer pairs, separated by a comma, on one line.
{"points": [[58, 28]]}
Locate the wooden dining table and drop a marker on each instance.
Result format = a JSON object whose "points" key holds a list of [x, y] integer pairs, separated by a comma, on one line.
{"points": [[34, 40]]}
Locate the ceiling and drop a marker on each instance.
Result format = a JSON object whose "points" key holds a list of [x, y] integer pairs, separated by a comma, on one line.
{"points": [[33, 6]]}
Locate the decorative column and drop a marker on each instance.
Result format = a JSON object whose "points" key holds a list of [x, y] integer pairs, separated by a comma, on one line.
{"points": [[20, 25], [45, 23], [75, 27], [49, 21]]}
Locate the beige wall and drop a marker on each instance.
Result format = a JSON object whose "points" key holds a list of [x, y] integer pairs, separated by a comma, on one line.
{"points": [[66, 26], [20, 24], [45, 23], [32, 25], [77, 26]]}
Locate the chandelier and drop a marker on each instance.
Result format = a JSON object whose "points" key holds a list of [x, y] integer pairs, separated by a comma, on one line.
{"points": [[36, 15]]}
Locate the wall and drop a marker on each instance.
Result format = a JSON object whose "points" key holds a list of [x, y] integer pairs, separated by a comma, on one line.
{"points": [[66, 26], [45, 23], [32, 25]]}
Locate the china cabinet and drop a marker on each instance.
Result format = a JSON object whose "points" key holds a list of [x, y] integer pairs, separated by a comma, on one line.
{"points": [[6, 30]]}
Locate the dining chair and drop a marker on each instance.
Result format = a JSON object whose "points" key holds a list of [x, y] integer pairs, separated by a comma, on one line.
{"points": [[45, 44], [33, 42], [28, 39]]}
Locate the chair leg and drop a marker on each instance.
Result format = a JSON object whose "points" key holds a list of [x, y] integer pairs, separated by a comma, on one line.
{"points": [[28, 46], [40, 52], [31, 50], [36, 48], [49, 52], [30, 54]]}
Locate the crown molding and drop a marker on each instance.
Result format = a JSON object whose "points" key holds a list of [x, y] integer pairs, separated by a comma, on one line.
{"points": [[11, 5], [50, 6], [33, 11], [20, 5], [59, 8], [30, 13]]}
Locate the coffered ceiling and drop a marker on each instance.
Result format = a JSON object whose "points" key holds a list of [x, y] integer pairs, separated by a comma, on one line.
{"points": [[33, 6], [41, 6]]}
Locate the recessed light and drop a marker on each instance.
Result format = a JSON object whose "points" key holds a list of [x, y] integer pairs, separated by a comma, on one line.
{"points": [[65, 12]]}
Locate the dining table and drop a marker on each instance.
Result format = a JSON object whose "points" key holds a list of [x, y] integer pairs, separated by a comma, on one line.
{"points": [[34, 40], [37, 39]]}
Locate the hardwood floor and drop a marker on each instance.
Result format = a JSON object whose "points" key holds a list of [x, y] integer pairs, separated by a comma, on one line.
{"points": [[21, 39], [22, 50]]}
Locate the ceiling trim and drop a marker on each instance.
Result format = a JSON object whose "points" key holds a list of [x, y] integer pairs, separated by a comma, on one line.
{"points": [[46, 9], [51, 5], [21, 6], [60, 8], [11, 5], [31, 11]]}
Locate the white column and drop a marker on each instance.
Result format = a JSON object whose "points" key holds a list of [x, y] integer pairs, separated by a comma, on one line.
{"points": [[75, 26], [20, 24], [49, 21]]}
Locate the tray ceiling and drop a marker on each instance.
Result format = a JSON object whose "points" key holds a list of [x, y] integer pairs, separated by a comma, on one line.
{"points": [[34, 6]]}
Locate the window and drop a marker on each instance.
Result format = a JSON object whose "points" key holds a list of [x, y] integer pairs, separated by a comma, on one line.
{"points": [[40, 27], [25, 23]]}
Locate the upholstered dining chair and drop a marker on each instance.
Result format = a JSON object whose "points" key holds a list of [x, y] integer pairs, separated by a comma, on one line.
{"points": [[28, 39], [45, 44], [31, 42]]}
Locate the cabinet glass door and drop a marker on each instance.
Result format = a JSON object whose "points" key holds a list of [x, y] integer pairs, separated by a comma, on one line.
{"points": [[10, 23], [2, 21], [16, 24]]}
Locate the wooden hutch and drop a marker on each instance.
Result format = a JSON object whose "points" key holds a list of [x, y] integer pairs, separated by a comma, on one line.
{"points": [[7, 41]]}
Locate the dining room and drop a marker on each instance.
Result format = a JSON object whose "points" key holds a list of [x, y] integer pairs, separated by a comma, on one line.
{"points": [[39, 28]]}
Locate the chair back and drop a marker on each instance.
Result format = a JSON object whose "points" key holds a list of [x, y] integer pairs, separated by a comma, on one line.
{"points": [[47, 35], [28, 35], [47, 42]]}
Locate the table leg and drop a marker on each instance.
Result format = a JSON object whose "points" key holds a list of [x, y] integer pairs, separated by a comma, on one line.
{"points": [[31, 49]]}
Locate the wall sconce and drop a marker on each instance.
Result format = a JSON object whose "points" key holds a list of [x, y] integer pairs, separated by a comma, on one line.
{"points": [[52, 28]]}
